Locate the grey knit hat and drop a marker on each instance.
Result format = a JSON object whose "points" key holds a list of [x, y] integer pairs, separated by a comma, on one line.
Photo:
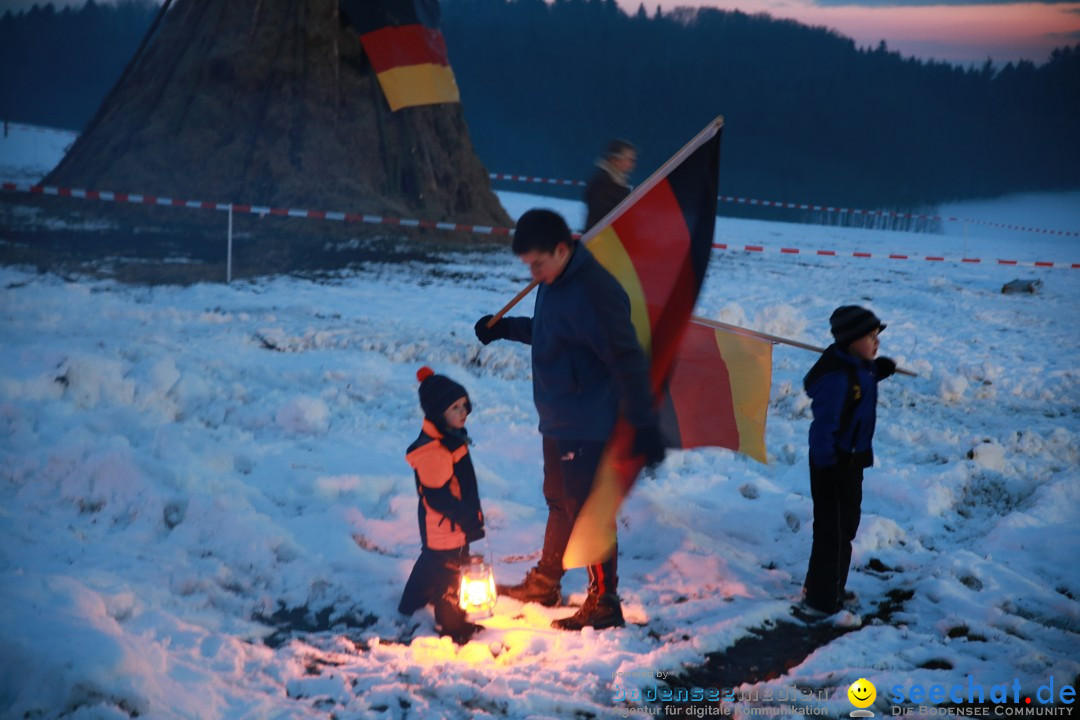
{"points": [[851, 322]]}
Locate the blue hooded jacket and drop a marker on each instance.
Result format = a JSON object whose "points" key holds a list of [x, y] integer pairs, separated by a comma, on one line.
{"points": [[843, 388], [586, 360]]}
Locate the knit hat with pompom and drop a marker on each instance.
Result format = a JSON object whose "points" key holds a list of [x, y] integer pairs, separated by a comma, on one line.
{"points": [[438, 392]]}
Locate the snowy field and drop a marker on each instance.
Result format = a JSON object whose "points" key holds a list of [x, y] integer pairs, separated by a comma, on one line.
{"points": [[28, 152], [178, 462]]}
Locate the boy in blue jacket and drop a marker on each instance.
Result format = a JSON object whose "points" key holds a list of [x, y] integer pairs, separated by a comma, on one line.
{"points": [[843, 388]]}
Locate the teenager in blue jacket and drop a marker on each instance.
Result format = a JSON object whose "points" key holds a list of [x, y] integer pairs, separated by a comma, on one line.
{"points": [[588, 368], [843, 387]]}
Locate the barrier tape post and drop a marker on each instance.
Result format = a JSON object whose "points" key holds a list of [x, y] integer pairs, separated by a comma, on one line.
{"points": [[228, 251]]}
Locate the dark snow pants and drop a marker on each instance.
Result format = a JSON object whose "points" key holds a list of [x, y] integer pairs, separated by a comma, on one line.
{"points": [[434, 581], [569, 469], [837, 495]]}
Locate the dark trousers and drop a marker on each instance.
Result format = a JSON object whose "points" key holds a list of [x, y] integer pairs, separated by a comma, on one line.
{"points": [[837, 495], [569, 470], [434, 581]]}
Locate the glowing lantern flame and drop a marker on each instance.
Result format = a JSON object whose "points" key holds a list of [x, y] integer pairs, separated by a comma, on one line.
{"points": [[477, 593]]}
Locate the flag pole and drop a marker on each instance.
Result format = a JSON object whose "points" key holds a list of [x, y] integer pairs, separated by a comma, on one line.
{"points": [[736, 330], [517, 298], [662, 172]]}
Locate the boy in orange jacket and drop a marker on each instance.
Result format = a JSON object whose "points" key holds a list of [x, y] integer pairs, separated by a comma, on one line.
{"points": [[448, 507]]}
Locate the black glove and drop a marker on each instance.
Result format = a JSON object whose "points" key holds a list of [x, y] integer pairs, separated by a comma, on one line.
{"points": [[647, 442], [884, 367], [473, 527], [486, 334]]}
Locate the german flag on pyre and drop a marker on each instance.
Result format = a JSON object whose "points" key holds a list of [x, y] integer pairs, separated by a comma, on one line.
{"points": [[406, 49], [718, 394], [657, 244]]}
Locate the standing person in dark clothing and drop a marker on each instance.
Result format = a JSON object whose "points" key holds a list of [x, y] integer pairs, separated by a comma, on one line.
{"points": [[843, 387], [588, 368], [448, 507], [610, 184]]}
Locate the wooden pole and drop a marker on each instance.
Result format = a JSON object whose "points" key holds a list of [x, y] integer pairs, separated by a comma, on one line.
{"points": [[736, 330], [662, 172], [517, 298]]}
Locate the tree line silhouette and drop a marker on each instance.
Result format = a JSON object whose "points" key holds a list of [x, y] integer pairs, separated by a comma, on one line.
{"points": [[57, 66], [809, 117]]}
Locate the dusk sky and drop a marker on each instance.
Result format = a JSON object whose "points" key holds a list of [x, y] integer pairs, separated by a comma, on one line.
{"points": [[960, 32]]}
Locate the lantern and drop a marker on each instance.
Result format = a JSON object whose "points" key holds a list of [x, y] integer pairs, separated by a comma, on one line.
{"points": [[477, 593]]}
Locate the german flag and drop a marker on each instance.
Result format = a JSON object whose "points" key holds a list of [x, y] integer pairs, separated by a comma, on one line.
{"points": [[657, 244], [406, 48], [718, 394]]}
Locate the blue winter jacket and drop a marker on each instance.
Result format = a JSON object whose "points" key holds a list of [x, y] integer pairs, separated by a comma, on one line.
{"points": [[586, 360], [843, 388]]}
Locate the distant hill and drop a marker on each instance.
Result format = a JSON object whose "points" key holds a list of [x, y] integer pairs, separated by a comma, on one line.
{"points": [[809, 116]]}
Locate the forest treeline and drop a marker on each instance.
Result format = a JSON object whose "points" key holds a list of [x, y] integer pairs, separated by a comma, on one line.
{"points": [[809, 116], [57, 66]]}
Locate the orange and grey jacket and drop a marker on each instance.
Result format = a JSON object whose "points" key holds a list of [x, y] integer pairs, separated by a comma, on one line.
{"points": [[449, 502]]}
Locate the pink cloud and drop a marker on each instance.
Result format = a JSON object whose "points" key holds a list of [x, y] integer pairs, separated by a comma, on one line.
{"points": [[963, 34]]}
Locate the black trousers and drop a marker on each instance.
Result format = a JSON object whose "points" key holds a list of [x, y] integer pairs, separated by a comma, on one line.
{"points": [[837, 495], [569, 470], [434, 581]]}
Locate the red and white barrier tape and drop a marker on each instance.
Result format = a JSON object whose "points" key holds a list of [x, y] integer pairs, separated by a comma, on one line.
{"points": [[262, 210], [887, 213], [529, 178], [250, 209], [816, 208], [723, 198], [1021, 228], [891, 256]]}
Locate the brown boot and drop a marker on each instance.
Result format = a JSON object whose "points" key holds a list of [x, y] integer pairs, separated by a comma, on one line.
{"points": [[535, 588], [598, 611]]}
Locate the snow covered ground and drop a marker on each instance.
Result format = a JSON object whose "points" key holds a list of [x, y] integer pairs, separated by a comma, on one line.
{"points": [[28, 152], [177, 462]]}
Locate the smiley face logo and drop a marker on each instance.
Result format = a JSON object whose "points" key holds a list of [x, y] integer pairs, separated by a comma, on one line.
{"points": [[862, 693]]}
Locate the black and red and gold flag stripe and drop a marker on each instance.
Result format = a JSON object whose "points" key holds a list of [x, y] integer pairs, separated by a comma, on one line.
{"points": [[406, 48], [718, 393], [657, 244]]}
